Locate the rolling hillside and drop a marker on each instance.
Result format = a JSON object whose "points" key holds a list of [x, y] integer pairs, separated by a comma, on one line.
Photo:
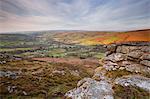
{"points": [[96, 37]]}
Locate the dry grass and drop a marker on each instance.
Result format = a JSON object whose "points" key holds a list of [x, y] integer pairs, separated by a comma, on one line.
{"points": [[38, 81]]}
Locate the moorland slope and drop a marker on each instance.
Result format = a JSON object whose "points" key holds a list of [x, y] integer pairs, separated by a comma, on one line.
{"points": [[97, 37]]}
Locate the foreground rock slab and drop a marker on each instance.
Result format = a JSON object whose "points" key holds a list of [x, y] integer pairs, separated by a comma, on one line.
{"points": [[91, 89]]}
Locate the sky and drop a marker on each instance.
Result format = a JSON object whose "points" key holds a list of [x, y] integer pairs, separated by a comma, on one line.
{"points": [[95, 15]]}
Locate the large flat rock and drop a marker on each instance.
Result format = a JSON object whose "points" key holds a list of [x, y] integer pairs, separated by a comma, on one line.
{"points": [[91, 89]]}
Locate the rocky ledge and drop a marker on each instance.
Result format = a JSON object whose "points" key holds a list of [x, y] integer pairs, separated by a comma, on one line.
{"points": [[126, 65]]}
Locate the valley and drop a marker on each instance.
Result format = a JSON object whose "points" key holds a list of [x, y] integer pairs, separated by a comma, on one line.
{"points": [[47, 64], [32, 67]]}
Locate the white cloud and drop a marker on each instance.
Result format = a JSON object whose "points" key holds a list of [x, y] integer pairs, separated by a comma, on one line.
{"points": [[77, 14]]}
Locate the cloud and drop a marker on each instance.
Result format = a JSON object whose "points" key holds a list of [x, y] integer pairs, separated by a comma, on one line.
{"points": [[28, 15]]}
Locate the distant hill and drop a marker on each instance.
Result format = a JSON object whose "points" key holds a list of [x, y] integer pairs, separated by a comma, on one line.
{"points": [[78, 37], [97, 37]]}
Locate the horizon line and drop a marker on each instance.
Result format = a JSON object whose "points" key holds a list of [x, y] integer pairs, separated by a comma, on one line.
{"points": [[28, 31]]}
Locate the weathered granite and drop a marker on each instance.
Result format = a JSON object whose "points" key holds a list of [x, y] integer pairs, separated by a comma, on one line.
{"points": [[134, 80], [130, 56], [91, 89]]}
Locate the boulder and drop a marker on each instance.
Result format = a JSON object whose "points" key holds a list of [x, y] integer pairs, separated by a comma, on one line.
{"points": [[115, 57], [145, 57], [91, 89], [110, 65], [135, 54], [126, 49], [134, 80], [134, 67], [111, 48], [145, 49], [122, 49], [145, 62]]}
